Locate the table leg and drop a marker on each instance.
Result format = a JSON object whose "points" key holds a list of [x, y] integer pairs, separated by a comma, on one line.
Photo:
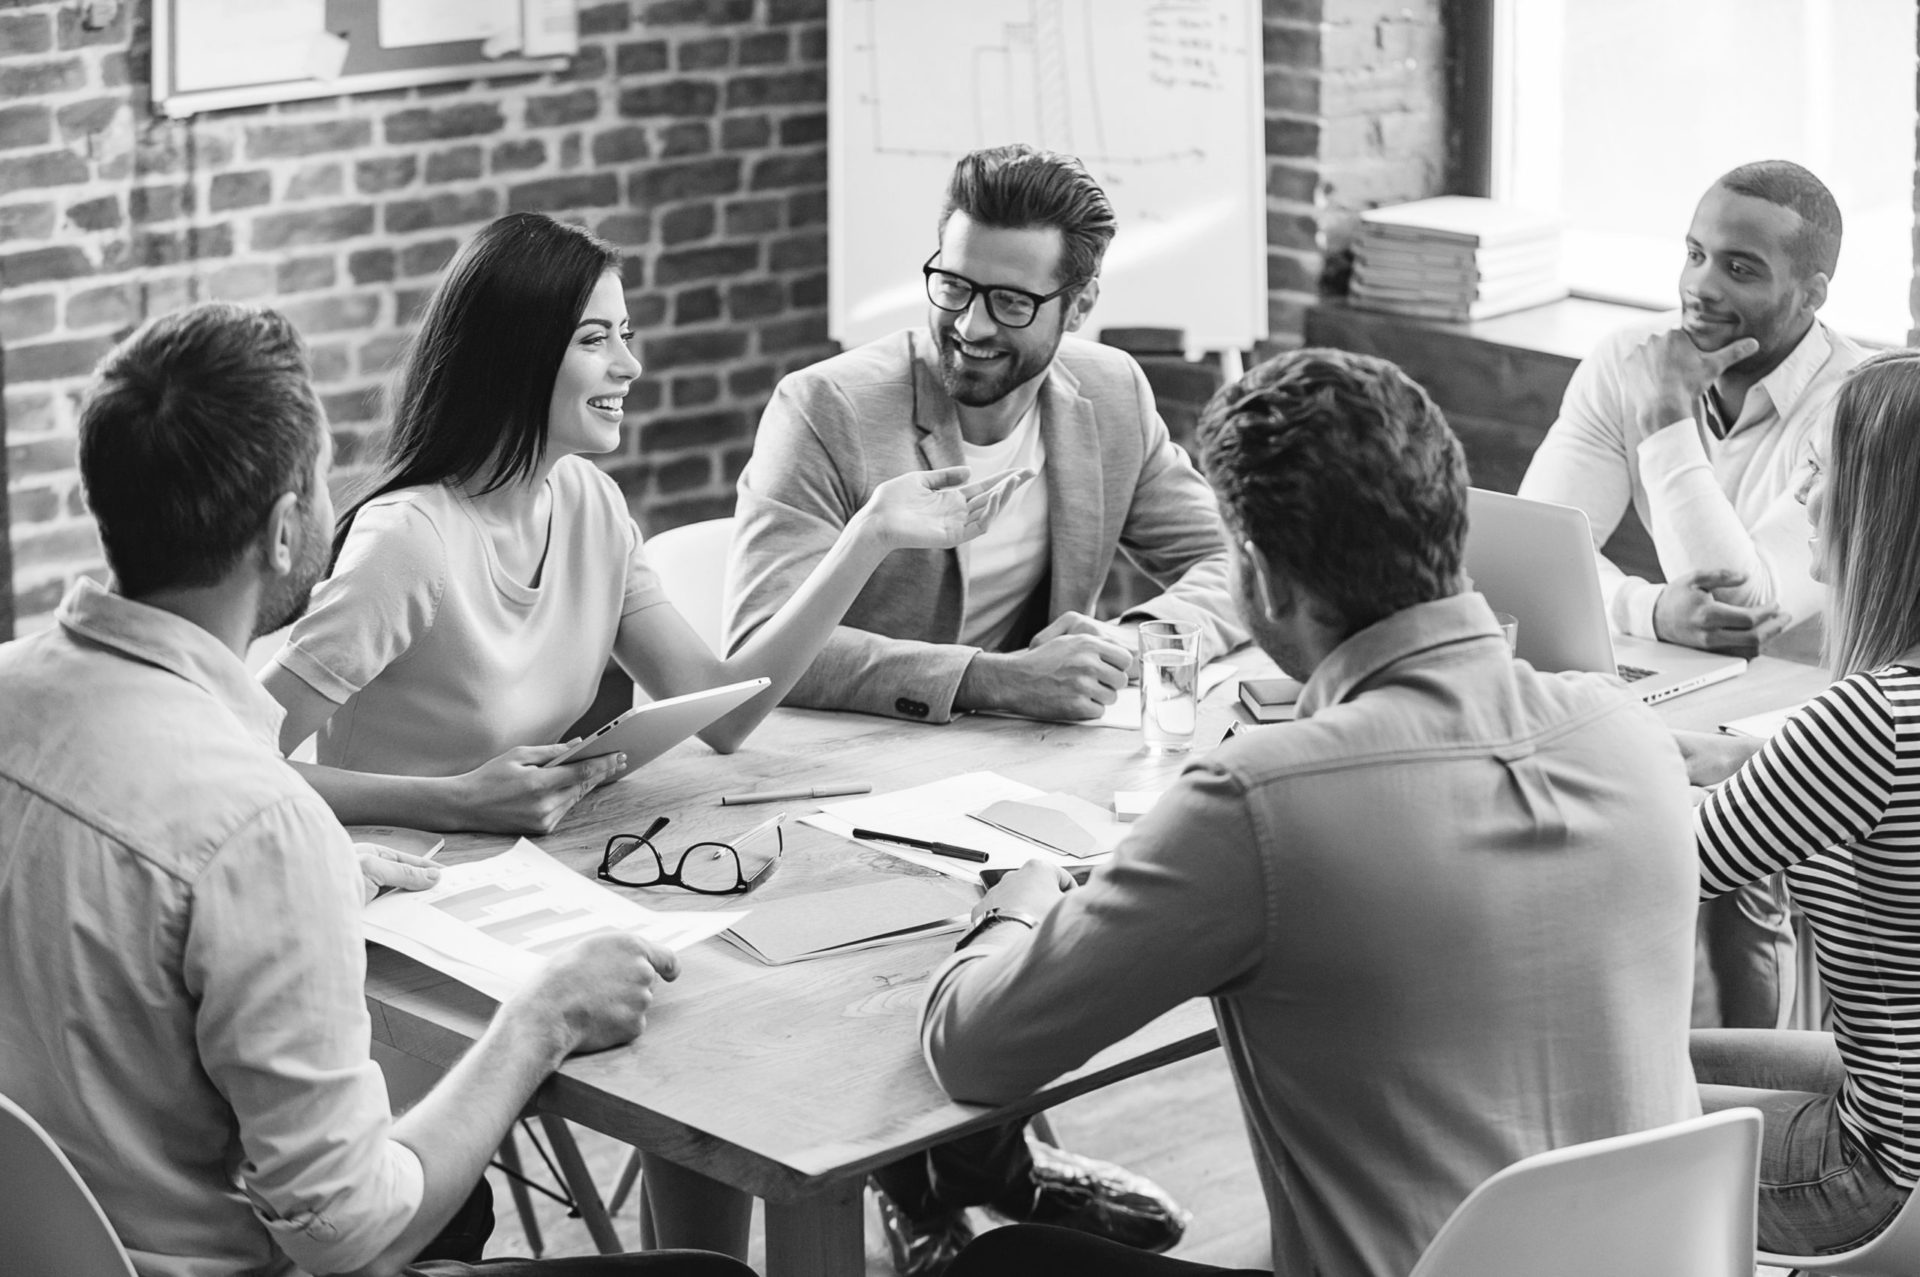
{"points": [[818, 1236], [586, 1196]]}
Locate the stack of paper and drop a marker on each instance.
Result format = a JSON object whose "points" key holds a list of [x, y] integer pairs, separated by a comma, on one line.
{"points": [[949, 811], [1456, 257], [851, 918], [492, 923]]}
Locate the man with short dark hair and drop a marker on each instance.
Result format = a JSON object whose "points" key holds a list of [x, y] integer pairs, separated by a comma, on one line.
{"points": [[996, 383], [1709, 423], [181, 958], [1391, 901]]}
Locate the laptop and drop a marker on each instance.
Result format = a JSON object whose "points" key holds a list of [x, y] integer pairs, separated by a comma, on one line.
{"points": [[1535, 560]]}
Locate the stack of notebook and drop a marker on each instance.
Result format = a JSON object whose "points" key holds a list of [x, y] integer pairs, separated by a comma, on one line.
{"points": [[1456, 257]]}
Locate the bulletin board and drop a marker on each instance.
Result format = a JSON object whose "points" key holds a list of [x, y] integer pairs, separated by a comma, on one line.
{"points": [[1161, 99], [209, 55]]}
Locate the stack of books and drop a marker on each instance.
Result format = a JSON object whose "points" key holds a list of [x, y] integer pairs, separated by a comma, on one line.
{"points": [[1456, 257]]}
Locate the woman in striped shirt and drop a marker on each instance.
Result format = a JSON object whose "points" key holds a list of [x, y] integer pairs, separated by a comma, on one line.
{"points": [[1834, 800]]}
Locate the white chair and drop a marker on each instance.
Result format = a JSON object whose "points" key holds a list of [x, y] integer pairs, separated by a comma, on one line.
{"points": [[51, 1223], [692, 563], [1894, 1253], [1676, 1201]]}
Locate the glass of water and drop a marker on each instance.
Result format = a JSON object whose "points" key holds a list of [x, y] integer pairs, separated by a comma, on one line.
{"points": [[1169, 684]]}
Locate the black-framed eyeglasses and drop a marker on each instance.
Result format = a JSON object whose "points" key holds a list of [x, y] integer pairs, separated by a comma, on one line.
{"points": [[710, 868], [1007, 306]]}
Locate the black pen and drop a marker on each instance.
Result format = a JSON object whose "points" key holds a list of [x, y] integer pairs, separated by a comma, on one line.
{"points": [[921, 844]]}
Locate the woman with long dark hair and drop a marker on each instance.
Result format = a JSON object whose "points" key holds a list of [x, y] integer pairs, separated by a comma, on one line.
{"points": [[484, 579], [1834, 800]]}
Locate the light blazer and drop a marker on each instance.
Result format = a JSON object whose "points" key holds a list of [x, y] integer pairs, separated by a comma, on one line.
{"points": [[1115, 480]]}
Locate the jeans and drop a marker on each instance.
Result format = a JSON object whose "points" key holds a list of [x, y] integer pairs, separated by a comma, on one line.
{"points": [[1750, 948], [1820, 1191], [455, 1252], [973, 1170]]}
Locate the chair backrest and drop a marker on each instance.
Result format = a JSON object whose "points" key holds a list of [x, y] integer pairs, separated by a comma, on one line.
{"points": [[1894, 1253], [692, 563], [1676, 1201], [50, 1222]]}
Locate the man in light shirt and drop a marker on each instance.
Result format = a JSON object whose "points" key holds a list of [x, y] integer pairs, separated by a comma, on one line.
{"points": [[995, 381], [1710, 423], [1003, 624], [1392, 901], [182, 969]]}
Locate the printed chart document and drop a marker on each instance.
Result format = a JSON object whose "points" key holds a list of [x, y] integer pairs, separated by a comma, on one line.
{"points": [[492, 923], [943, 812]]}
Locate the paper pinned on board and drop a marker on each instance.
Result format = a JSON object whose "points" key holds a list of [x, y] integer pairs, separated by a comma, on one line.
{"points": [[493, 923]]}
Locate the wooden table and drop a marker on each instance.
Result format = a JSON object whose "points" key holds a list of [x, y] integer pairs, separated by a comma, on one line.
{"points": [[793, 1082]]}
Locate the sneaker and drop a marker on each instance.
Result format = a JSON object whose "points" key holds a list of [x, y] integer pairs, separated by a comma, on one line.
{"points": [[921, 1248], [1071, 1191]]}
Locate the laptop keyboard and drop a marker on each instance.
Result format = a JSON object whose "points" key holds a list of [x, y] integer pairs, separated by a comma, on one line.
{"points": [[1633, 673]]}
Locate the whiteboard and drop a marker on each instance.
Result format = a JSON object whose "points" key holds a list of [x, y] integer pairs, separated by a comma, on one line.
{"points": [[1161, 99]]}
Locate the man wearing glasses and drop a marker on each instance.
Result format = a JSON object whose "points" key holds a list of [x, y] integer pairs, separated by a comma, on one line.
{"points": [[992, 383]]}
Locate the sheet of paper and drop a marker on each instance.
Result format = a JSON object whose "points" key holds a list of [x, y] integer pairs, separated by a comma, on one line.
{"points": [[1058, 822], [220, 44], [829, 922], [1124, 713], [410, 22], [551, 28], [1761, 725], [492, 923], [937, 812]]}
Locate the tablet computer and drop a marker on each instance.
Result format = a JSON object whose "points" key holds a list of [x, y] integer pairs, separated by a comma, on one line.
{"points": [[647, 731]]}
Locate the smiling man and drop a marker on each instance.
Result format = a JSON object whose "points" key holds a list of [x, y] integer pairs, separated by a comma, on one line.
{"points": [[1710, 423], [996, 381]]}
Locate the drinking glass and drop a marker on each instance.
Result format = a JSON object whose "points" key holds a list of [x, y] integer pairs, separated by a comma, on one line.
{"points": [[1169, 684]]}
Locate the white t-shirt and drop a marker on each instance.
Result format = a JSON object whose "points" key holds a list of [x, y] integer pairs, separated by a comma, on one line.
{"points": [[437, 658], [1007, 561]]}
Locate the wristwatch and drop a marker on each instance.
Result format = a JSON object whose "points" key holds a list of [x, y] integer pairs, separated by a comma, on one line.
{"points": [[999, 913]]}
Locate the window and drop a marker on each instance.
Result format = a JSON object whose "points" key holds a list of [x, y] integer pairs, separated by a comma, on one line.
{"points": [[1617, 114]]}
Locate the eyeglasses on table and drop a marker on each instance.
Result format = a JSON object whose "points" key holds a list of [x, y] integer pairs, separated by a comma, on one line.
{"points": [[711, 868]]}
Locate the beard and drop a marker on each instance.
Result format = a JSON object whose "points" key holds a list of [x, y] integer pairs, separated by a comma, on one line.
{"points": [[979, 387], [286, 600]]}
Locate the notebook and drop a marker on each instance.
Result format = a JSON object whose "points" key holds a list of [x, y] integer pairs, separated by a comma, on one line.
{"points": [[1535, 560], [829, 922]]}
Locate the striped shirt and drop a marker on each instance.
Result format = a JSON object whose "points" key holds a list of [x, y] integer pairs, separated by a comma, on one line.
{"points": [[1834, 799]]}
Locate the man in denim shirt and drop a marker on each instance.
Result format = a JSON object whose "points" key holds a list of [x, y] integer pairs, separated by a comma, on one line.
{"points": [[181, 959]]}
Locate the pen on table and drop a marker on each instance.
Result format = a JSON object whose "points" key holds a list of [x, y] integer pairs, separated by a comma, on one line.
{"points": [[792, 795], [922, 844]]}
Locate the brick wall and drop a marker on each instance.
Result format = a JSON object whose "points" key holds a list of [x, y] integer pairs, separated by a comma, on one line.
{"points": [[690, 132], [1356, 118]]}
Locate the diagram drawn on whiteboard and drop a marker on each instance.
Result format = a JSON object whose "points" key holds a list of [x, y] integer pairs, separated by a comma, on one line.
{"points": [[1159, 98]]}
